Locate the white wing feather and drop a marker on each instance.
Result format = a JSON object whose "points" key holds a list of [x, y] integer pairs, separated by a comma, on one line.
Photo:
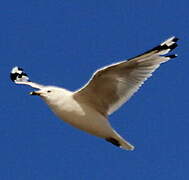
{"points": [[113, 85]]}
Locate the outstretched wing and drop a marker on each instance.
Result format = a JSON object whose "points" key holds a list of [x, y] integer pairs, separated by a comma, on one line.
{"points": [[113, 85], [18, 76]]}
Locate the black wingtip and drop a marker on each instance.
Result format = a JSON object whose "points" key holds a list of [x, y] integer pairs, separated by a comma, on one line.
{"points": [[173, 46], [172, 56], [13, 77], [169, 44], [18, 74], [175, 39], [162, 49]]}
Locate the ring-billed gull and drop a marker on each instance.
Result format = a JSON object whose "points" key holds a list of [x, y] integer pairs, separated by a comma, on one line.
{"points": [[109, 88]]}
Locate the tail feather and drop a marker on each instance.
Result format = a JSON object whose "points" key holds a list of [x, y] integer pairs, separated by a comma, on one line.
{"points": [[117, 140]]}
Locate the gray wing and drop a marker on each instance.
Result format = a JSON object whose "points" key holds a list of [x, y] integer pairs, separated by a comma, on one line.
{"points": [[113, 85]]}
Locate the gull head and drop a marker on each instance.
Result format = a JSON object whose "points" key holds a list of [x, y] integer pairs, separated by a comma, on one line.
{"points": [[50, 93]]}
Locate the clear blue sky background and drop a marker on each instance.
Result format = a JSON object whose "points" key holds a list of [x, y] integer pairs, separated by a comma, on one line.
{"points": [[62, 42]]}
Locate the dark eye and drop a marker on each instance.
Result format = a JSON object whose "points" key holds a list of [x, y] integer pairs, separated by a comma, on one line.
{"points": [[48, 91]]}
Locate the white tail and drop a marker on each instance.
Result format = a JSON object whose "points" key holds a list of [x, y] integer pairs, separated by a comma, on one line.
{"points": [[117, 140]]}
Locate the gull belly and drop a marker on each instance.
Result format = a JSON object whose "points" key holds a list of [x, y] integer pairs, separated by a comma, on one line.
{"points": [[82, 116]]}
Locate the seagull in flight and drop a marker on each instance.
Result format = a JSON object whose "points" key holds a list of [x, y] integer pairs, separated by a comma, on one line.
{"points": [[109, 88]]}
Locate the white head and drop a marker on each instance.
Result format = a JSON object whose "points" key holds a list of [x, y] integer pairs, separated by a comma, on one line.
{"points": [[51, 94]]}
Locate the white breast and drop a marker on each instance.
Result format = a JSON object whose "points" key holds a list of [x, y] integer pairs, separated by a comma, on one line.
{"points": [[82, 116]]}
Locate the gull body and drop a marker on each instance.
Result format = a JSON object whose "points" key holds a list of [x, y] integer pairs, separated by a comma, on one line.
{"points": [[109, 88], [77, 112], [80, 115]]}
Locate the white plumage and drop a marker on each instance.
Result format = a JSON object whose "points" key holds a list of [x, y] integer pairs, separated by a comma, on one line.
{"points": [[108, 89]]}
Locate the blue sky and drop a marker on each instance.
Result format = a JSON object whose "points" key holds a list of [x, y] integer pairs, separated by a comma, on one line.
{"points": [[62, 42]]}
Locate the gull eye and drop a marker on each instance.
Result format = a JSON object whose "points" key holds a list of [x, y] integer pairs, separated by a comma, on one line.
{"points": [[49, 91]]}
